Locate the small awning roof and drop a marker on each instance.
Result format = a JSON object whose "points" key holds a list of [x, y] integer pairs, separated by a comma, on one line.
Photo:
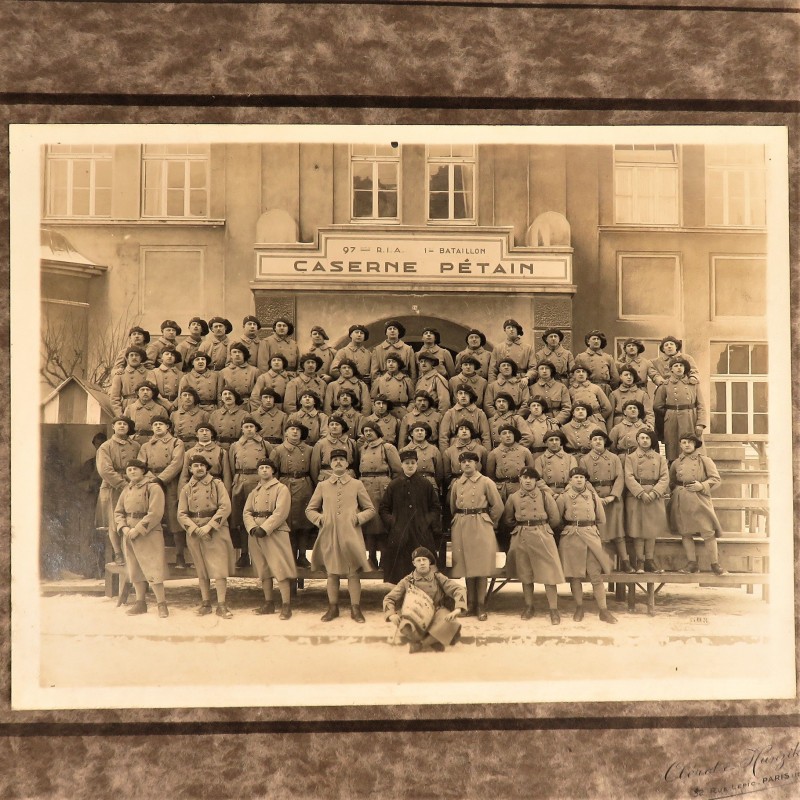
{"points": [[58, 255]]}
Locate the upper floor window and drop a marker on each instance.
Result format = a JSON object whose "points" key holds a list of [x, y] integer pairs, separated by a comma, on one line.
{"points": [[375, 172], [646, 184], [175, 179], [451, 183], [739, 381], [736, 186], [79, 180]]}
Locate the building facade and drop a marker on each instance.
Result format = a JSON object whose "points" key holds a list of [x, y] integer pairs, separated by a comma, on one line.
{"points": [[635, 240]]}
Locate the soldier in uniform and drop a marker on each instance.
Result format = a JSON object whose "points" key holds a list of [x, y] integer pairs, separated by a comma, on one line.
{"points": [[137, 517], [239, 374], [387, 423], [219, 465], [125, 382], [265, 517], [322, 350], [507, 383], [682, 405], [624, 436], [505, 414], [227, 419], [466, 440], [531, 514], [167, 378], [271, 419], [309, 378], [476, 348], [310, 417], [145, 406], [582, 390], [339, 508], [348, 411], [111, 458], [464, 409], [292, 459], [600, 366], [559, 402], [137, 337], [554, 465], [215, 345], [630, 389], [431, 340], [578, 430], [581, 548], [669, 348], [280, 343], [429, 458], [432, 381], [513, 348], [349, 378], [395, 384], [539, 424], [198, 329], [204, 381], [248, 338], [187, 416], [393, 345], [335, 439], [163, 456], [275, 378], [203, 510], [422, 411], [356, 352], [170, 331], [469, 366], [476, 507], [632, 357], [562, 359]]}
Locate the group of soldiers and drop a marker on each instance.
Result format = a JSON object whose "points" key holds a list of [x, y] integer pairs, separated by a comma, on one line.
{"points": [[243, 445]]}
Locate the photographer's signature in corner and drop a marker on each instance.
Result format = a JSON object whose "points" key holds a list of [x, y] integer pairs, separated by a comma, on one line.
{"points": [[755, 769]]}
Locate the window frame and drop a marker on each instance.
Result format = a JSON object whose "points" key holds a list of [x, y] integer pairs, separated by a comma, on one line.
{"points": [[677, 285], [200, 293], [187, 159], [451, 161], [726, 170], [376, 160], [713, 285], [676, 167], [727, 380], [70, 158]]}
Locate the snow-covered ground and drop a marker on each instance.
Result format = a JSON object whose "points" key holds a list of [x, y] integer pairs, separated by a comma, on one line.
{"points": [[697, 633]]}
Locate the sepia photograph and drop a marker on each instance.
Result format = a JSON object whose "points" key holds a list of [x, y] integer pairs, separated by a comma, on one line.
{"points": [[385, 415]]}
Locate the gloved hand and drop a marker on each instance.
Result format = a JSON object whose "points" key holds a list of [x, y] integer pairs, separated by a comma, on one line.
{"points": [[258, 532]]}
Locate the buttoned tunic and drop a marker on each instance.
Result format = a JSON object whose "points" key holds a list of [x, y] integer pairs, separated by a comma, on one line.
{"points": [[361, 356], [398, 388], [206, 384], [110, 461], [294, 470], [474, 541], [683, 407], [515, 387], [330, 395], [436, 586], [378, 464], [272, 422], [268, 507], [557, 396], [602, 368], [384, 349], [187, 348], [141, 414], [622, 395], [202, 502], [216, 350], [304, 383], [315, 421], [124, 385], [451, 464], [504, 465], [429, 463], [445, 367], [275, 345], [327, 354], [168, 379], [412, 515], [455, 415], [241, 378], [227, 421], [388, 426], [252, 343], [554, 469], [321, 456], [120, 361], [339, 548], [140, 507], [608, 480], [476, 382], [662, 370], [577, 434], [521, 353], [157, 347], [436, 386], [623, 437], [216, 457], [693, 512], [533, 555], [185, 422], [646, 471], [643, 366], [244, 456], [431, 417], [561, 358], [353, 419], [164, 458], [483, 356], [277, 381], [539, 427], [579, 542], [595, 398], [509, 418]]}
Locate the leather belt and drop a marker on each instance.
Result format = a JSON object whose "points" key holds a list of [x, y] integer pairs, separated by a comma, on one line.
{"points": [[648, 482], [680, 408], [601, 483], [199, 514], [557, 485], [507, 480], [532, 521], [581, 523], [135, 514], [687, 483], [471, 511]]}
